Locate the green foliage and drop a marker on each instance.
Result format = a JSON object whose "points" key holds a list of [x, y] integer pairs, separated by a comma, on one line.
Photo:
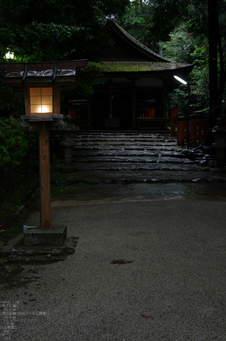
{"points": [[200, 76], [180, 46], [14, 191], [185, 48], [15, 145], [164, 17], [197, 17], [48, 41], [11, 103], [134, 20], [18, 158], [87, 78]]}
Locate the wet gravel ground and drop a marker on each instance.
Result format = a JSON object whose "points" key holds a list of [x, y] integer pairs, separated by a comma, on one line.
{"points": [[149, 265], [80, 195]]}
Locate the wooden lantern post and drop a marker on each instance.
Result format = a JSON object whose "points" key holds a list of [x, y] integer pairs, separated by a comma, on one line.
{"points": [[44, 157], [42, 104], [42, 84]]}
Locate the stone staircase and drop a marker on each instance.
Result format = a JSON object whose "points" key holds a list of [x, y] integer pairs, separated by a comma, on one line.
{"points": [[138, 157]]}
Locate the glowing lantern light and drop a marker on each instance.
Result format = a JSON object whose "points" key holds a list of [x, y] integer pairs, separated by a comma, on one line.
{"points": [[41, 100]]}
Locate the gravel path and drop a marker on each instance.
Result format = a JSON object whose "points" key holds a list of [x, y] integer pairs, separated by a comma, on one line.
{"points": [[170, 286]]}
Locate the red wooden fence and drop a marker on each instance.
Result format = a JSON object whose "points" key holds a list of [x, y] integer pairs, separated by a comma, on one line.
{"points": [[192, 132], [173, 116]]}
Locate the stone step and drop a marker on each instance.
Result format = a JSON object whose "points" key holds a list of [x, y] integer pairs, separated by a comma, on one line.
{"points": [[125, 136], [136, 159], [118, 136], [144, 170], [101, 154], [185, 164], [123, 140], [126, 147], [105, 157]]}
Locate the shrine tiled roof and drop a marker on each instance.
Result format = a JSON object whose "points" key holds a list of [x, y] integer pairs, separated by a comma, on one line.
{"points": [[136, 43]]}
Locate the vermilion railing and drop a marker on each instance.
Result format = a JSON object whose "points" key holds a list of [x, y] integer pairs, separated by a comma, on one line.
{"points": [[192, 132], [77, 115], [173, 116]]}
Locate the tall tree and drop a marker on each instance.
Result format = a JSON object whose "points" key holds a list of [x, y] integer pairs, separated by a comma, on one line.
{"points": [[212, 25], [165, 15], [135, 20], [213, 72]]}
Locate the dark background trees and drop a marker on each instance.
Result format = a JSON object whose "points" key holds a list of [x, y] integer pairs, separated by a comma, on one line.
{"points": [[187, 31], [48, 29]]}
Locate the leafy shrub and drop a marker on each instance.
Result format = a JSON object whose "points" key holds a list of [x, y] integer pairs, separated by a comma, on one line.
{"points": [[18, 155], [14, 143]]}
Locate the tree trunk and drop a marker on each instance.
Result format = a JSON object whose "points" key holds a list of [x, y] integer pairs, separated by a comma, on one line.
{"points": [[213, 75]]}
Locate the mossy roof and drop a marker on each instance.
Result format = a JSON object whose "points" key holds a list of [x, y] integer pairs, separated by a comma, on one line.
{"points": [[116, 66]]}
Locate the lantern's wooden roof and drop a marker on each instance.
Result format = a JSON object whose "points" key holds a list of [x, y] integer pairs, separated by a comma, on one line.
{"points": [[20, 74]]}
